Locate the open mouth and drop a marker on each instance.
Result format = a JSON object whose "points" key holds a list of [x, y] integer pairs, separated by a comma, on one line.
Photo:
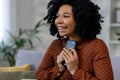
{"points": [[62, 29]]}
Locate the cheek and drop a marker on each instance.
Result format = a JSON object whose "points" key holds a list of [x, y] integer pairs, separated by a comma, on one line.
{"points": [[73, 29], [72, 26], [55, 22]]}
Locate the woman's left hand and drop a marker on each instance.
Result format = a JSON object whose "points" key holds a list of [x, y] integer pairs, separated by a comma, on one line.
{"points": [[71, 59]]}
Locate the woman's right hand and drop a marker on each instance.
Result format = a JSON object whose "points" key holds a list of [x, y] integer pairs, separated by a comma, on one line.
{"points": [[60, 59]]}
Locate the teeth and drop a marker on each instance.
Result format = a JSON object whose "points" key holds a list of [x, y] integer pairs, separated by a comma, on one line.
{"points": [[59, 28], [62, 28]]}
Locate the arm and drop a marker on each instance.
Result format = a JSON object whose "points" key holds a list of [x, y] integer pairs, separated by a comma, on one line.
{"points": [[101, 65], [48, 70]]}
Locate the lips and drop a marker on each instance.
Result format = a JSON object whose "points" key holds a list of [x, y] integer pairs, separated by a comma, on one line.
{"points": [[62, 29]]}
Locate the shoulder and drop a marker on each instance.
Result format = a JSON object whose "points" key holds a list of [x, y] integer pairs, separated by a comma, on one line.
{"points": [[94, 44], [55, 41], [100, 49], [98, 42], [99, 45], [58, 42]]}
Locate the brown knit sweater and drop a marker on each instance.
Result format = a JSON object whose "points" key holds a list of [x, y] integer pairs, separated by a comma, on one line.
{"points": [[93, 57]]}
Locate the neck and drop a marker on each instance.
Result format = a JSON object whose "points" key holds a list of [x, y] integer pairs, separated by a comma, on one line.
{"points": [[75, 38]]}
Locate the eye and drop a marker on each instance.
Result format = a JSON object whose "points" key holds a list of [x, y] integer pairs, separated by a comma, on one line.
{"points": [[66, 16]]}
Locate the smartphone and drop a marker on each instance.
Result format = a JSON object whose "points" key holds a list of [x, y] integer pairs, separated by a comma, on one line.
{"points": [[71, 44]]}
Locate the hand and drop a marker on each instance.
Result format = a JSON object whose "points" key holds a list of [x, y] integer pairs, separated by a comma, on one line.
{"points": [[71, 59], [60, 59]]}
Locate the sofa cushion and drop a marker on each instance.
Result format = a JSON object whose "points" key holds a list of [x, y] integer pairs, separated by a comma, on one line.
{"points": [[116, 67], [17, 75], [29, 57], [26, 67]]}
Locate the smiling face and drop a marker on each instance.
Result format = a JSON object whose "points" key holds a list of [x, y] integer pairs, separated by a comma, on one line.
{"points": [[65, 21]]}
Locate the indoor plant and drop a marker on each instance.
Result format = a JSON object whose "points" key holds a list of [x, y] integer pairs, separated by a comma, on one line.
{"points": [[23, 40]]}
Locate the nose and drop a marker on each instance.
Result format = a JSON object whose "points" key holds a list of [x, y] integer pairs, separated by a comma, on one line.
{"points": [[59, 20]]}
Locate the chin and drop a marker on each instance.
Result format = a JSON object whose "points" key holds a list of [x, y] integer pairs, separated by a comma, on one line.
{"points": [[63, 34]]}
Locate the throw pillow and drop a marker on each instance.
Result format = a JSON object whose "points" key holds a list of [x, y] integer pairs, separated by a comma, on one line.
{"points": [[26, 56], [26, 67]]}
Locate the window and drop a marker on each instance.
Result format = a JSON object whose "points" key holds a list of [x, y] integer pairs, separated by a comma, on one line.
{"points": [[4, 18], [1, 19]]}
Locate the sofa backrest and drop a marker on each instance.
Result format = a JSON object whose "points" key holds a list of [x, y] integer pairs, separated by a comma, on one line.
{"points": [[34, 58], [29, 57], [115, 60]]}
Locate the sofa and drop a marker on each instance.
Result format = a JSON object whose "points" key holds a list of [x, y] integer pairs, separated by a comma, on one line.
{"points": [[116, 66], [26, 65], [34, 58]]}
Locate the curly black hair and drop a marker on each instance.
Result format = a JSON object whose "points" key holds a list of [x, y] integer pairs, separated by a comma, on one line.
{"points": [[86, 15]]}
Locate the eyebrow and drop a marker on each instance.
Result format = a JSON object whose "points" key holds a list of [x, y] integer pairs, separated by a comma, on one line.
{"points": [[64, 13]]}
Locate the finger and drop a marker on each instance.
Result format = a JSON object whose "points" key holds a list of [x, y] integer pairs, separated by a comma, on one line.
{"points": [[73, 52], [68, 52], [65, 55]]}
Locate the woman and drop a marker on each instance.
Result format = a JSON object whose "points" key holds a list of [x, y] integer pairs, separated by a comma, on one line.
{"points": [[76, 20]]}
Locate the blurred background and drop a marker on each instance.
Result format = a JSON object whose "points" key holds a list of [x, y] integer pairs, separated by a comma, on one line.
{"points": [[16, 14]]}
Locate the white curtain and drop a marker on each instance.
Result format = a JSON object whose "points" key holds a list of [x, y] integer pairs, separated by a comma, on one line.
{"points": [[4, 19]]}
